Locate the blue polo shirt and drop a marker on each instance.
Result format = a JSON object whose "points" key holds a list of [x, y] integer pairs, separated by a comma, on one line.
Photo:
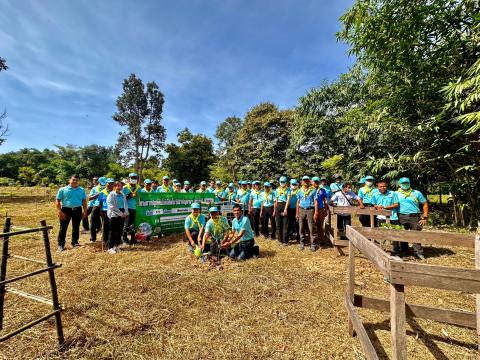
{"points": [[71, 197], [281, 194], [102, 199], [128, 189], [334, 187], [321, 194], [243, 224], [257, 199], [366, 194], [120, 200], [293, 198], [219, 194], [210, 190], [243, 196], [217, 233], [387, 199], [230, 195], [327, 191], [191, 224], [410, 201], [94, 191], [268, 200], [164, 189], [307, 197]]}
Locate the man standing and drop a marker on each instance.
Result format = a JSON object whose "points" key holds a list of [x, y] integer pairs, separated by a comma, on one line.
{"points": [[346, 197], [366, 194], [86, 226], [292, 211], [305, 211], [337, 185], [280, 210], [321, 210], [211, 188], [243, 197], [255, 206], [71, 203], [147, 186], [155, 186], [93, 205], [103, 205], [411, 203], [194, 226], [130, 192], [186, 187], [203, 187], [219, 192], [266, 212], [165, 188], [243, 236], [388, 200]]}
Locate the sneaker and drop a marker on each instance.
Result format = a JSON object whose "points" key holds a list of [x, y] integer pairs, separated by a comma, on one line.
{"points": [[301, 246], [285, 244], [313, 248], [60, 248], [93, 240], [111, 251], [116, 248], [75, 246], [420, 256]]}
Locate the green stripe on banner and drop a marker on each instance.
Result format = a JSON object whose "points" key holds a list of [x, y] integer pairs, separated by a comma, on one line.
{"points": [[165, 213]]}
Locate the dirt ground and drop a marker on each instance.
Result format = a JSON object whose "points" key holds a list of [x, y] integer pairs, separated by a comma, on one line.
{"points": [[155, 301]]}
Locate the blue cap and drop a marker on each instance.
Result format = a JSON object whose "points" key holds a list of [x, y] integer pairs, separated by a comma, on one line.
{"points": [[213, 209], [267, 184], [369, 178], [186, 182], [102, 180], [283, 179], [218, 182], [362, 181], [175, 180], [203, 183], [147, 181], [337, 176], [132, 175], [306, 178], [231, 185], [195, 205], [165, 178], [243, 182], [294, 182], [256, 182], [110, 180], [404, 180], [249, 182], [316, 178]]}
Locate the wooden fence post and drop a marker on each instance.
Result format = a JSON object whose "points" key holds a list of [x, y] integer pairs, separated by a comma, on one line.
{"points": [[477, 266], [397, 322], [351, 283], [3, 268]]}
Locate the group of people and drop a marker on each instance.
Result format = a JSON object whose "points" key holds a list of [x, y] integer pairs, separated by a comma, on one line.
{"points": [[293, 210]]}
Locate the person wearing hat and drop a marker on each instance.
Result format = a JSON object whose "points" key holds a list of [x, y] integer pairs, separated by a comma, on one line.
{"points": [[211, 187], [117, 213], [95, 220], [230, 194], [194, 226], [177, 187], [186, 187], [165, 188], [305, 212], [346, 197], [216, 229], [130, 191], [155, 186], [362, 181], [255, 206], [337, 185], [241, 244], [387, 200], [292, 228], [366, 194], [219, 192], [324, 186], [203, 187], [85, 223], [266, 211], [249, 185], [280, 210], [243, 197], [102, 204], [412, 212], [71, 204], [321, 209], [147, 186]]}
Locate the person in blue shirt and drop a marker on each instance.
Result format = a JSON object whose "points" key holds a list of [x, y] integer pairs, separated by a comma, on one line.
{"points": [[194, 227], [186, 187], [411, 205], [324, 185], [203, 187], [305, 212], [102, 203], [71, 204], [242, 235], [230, 194], [366, 194], [117, 212], [147, 186], [362, 181], [293, 233], [243, 197], [155, 186], [130, 190], [211, 187], [216, 232], [166, 188], [280, 210], [255, 206], [219, 192], [388, 200], [321, 211], [95, 216], [85, 223], [337, 185], [266, 211]]}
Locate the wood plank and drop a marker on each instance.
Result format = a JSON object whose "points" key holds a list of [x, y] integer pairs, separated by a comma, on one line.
{"points": [[422, 237], [397, 322], [435, 276], [365, 342], [477, 297], [343, 243], [351, 282], [355, 210], [376, 255], [454, 317]]}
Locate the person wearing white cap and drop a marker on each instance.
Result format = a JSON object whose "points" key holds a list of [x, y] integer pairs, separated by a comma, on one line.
{"points": [[177, 187], [130, 191], [95, 222], [147, 186], [266, 212], [219, 192], [243, 197], [255, 206], [337, 185], [216, 232], [203, 187], [194, 226], [305, 212], [186, 187], [280, 210], [165, 188]]}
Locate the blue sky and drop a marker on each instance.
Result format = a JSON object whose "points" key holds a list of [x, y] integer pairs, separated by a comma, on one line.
{"points": [[212, 59]]}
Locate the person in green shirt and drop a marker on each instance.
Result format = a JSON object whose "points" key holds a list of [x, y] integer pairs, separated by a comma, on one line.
{"points": [[194, 226], [217, 231]]}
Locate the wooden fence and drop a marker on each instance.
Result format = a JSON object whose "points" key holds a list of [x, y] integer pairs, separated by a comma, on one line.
{"points": [[399, 273]]}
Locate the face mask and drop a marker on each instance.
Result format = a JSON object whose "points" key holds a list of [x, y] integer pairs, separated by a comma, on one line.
{"points": [[369, 183], [133, 181], [405, 186]]}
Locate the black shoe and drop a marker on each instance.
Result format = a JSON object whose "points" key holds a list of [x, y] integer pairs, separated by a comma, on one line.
{"points": [[93, 240], [301, 246], [75, 246], [60, 248], [256, 251]]}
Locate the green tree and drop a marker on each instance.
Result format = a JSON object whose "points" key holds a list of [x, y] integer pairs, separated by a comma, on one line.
{"points": [[26, 175], [227, 158], [191, 160], [3, 64], [140, 111]]}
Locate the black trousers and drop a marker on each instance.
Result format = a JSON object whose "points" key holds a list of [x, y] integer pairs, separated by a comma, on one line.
{"points": [[343, 221], [410, 222], [282, 223], [256, 221], [106, 227], [95, 223], [293, 224], [116, 229], [129, 227], [74, 214], [194, 235], [267, 216], [85, 225]]}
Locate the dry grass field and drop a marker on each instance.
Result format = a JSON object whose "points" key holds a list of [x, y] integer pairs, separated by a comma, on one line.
{"points": [[155, 301]]}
